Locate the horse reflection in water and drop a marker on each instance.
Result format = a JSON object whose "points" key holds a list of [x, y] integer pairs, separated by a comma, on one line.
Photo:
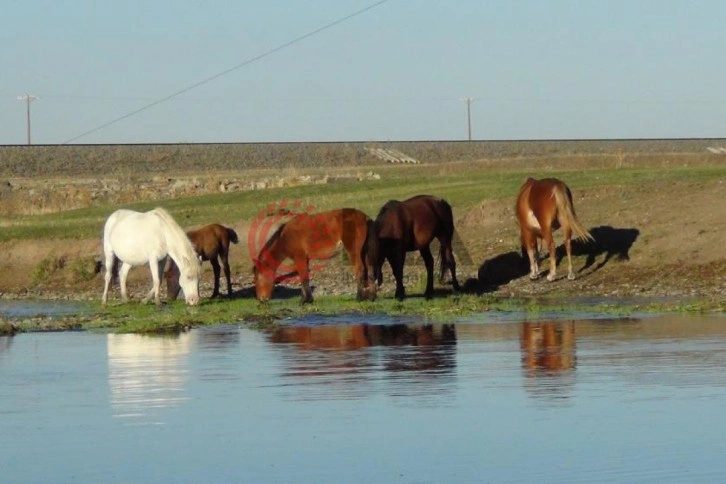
{"points": [[416, 356], [548, 356], [356, 336], [146, 373]]}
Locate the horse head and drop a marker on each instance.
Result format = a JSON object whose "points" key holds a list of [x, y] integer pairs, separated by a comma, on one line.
{"points": [[264, 278], [189, 279]]}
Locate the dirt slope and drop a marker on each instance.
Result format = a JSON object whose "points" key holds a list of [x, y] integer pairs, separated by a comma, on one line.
{"points": [[659, 240]]}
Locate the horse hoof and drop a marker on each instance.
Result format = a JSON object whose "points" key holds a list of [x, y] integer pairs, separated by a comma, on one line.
{"points": [[551, 277], [533, 277], [571, 277]]}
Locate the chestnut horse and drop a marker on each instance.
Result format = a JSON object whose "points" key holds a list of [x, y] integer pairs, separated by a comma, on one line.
{"points": [[543, 206], [412, 225], [211, 243], [317, 236]]}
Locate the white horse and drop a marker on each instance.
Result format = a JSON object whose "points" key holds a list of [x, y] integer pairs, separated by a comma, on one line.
{"points": [[137, 238]]}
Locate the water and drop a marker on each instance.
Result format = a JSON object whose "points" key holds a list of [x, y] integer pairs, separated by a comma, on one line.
{"points": [[344, 400], [32, 308]]}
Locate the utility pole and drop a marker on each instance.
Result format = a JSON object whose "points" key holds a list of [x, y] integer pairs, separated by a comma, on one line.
{"points": [[28, 98], [468, 101]]}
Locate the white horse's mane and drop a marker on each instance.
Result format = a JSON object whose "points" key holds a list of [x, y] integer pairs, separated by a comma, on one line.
{"points": [[179, 243]]}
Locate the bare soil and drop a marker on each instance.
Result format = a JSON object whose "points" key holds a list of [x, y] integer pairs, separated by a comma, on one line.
{"points": [[661, 240]]}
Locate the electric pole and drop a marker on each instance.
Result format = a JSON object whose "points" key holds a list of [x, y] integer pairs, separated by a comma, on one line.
{"points": [[28, 98], [468, 101]]}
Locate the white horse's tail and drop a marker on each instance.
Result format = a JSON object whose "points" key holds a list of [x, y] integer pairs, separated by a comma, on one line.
{"points": [[566, 211], [180, 243]]}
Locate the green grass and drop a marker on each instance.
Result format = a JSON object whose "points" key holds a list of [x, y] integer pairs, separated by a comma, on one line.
{"points": [[174, 317], [463, 186]]}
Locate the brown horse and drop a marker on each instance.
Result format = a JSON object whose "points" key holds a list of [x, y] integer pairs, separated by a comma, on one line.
{"points": [[412, 225], [317, 236], [543, 206], [211, 243]]}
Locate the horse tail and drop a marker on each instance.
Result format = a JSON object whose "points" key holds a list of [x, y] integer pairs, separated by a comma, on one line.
{"points": [[371, 251], [563, 199], [448, 223], [232, 236]]}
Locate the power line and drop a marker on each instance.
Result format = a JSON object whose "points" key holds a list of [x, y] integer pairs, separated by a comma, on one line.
{"points": [[234, 68]]}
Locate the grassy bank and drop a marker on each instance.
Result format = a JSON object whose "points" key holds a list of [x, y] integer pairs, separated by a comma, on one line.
{"points": [[615, 185], [176, 316]]}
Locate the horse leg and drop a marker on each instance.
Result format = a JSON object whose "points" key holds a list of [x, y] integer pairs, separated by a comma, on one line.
{"points": [[216, 269], [225, 266], [397, 260], [379, 263], [568, 251], [529, 242], [359, 273], [123, 273], [370, 279], [156, 268], [550, 241], [107, 278], [448, 260], [429, 262], [303, 270]]}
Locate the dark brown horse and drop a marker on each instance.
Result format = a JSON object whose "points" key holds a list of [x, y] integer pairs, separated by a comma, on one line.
{"points": [[543, 206], [211, 243], [317, 236], [412, 225]]}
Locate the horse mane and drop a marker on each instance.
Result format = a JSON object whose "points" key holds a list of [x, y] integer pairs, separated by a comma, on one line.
{"points": [[273, 238], [180, 240], [387, 206]]}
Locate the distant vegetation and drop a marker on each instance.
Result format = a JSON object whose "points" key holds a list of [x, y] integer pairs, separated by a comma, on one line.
{"points": [[110, 160]]}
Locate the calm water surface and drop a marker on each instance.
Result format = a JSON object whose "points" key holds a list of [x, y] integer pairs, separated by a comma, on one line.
{"points": [[370, 400]]}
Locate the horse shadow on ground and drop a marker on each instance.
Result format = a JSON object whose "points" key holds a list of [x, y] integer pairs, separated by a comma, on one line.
{"points": [[500, 270], [497, 271], [279, 292], [608, 241]]}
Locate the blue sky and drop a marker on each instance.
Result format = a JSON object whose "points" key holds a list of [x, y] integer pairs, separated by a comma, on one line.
{"points": [[398, 71]]}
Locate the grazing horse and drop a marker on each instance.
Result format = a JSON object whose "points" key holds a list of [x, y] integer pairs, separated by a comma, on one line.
{"points": [[543, 206], [211, 243], [316, 236], [137, 238], [411, 225]]}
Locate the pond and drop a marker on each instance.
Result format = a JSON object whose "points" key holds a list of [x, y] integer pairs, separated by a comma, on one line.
{"points": [[370, 399]]}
